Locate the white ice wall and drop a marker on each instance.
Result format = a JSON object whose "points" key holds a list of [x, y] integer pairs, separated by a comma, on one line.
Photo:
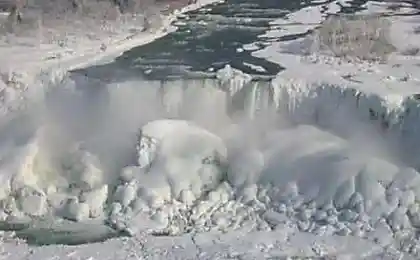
{"points": [[326, 104], [343, 109]]}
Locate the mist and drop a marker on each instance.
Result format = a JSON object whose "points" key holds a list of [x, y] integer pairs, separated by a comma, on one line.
{"points": [[106, 119], [42, 146]]}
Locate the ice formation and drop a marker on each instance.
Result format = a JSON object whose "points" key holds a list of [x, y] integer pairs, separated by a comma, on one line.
{"points": [[177, 160], [232, 80], [309, 178], [44, 181], [186, 178]]}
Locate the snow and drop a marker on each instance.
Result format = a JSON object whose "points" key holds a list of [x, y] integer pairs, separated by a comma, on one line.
{"points": [[320, 179]]}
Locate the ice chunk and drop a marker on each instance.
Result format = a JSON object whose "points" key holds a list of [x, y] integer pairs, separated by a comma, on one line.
{"points": [[49, 167], [96, 200], [348, 215], [75, 210], [275, 218], [187, 197], [92, 175], [398, 219], [146, 150], [126, 193], [32, 202], [249, 193]]}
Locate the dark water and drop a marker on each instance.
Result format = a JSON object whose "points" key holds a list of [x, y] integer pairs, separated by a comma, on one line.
{"points": [[208, 39]]}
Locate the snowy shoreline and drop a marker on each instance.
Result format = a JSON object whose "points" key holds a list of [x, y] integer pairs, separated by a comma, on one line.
{"points": [[43, 61]]}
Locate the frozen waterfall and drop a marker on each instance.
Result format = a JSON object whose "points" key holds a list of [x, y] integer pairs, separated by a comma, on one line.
{"points": [[100, 121]]}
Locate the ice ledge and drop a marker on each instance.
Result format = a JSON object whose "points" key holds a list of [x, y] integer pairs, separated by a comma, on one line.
{"points": [[390, 107]]}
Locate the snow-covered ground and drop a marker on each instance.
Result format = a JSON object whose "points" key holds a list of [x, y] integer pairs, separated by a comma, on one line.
{"points": [[70, 43], [219, 188]]}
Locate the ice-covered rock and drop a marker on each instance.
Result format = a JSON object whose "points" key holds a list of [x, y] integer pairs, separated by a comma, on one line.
{"points": [[115, 209], [3, 215], [92, 175], [398, 219], [187, 197], [348, 216], [382, 233], [32, 202], [126, 193], [56, 200], [146, 152], [248, 193], [356, 202], [182, 156], [11, 207], [275, 218], [304, 215], [75, 210], [49, 164], [320, 215], [96, 199]]}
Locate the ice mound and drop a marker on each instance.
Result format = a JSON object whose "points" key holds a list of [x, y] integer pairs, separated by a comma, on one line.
{"points": [[187, 179], [176, 160], [301, 178], [189, 156], [44, 179]]}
